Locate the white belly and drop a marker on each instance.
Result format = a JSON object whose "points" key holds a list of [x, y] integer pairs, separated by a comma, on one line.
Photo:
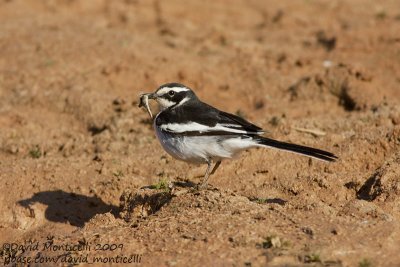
{"points": [[200, 149]]}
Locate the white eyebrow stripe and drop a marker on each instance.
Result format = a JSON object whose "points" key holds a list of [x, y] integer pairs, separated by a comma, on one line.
{"points": [[175, 89], [197, 127]]}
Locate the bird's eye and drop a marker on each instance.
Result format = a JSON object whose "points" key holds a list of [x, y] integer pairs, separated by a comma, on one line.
{"points": [[171, 93]]}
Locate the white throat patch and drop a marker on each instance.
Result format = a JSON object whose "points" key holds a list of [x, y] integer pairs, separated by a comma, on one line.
{"points": [[164, 103]]}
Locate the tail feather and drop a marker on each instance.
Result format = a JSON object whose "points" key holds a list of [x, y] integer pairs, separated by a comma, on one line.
{"points": [[304, 150]]}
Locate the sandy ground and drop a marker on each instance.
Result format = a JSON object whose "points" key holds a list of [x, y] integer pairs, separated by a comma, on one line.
{"points": [[75, 150]]}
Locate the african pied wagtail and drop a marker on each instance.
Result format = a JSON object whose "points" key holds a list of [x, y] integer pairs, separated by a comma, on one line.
{"points": [[195, 132]]}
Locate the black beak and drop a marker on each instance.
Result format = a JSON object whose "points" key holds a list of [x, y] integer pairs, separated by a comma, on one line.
{"points": [[151, 96]]}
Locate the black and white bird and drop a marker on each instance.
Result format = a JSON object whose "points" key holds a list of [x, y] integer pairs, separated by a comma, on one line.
{"points": [[193, 131]]}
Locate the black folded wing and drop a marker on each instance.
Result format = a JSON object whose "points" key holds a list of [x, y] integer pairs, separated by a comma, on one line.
{"points": [[202, 119]]}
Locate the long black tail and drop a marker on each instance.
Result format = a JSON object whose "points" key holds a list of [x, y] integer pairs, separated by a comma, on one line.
{"points": [[304, 150]]}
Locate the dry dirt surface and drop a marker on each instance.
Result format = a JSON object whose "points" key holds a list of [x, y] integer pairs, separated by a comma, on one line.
{"points": [[83, 176]]}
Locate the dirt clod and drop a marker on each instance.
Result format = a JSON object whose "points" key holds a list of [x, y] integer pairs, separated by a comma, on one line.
{"points": [[142, 203]]}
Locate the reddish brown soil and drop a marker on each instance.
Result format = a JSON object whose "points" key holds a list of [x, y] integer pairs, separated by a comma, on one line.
{"points": [[75, 149]]}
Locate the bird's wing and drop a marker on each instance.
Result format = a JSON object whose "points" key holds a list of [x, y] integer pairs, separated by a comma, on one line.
{"points": [[235, 122], [205, 120]]}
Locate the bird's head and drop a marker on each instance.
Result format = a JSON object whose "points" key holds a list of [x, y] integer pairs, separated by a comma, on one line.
{"points": [[172, 95]]}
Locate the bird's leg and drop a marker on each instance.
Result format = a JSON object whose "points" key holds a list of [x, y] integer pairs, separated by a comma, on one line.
{"points": [[215, 167], [208, 173]]}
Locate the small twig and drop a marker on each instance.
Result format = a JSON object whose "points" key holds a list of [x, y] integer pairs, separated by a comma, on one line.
{"points": [[314, 132]]}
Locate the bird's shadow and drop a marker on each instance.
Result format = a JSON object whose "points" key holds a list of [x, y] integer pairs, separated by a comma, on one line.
{"points": [[69, 207]]}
